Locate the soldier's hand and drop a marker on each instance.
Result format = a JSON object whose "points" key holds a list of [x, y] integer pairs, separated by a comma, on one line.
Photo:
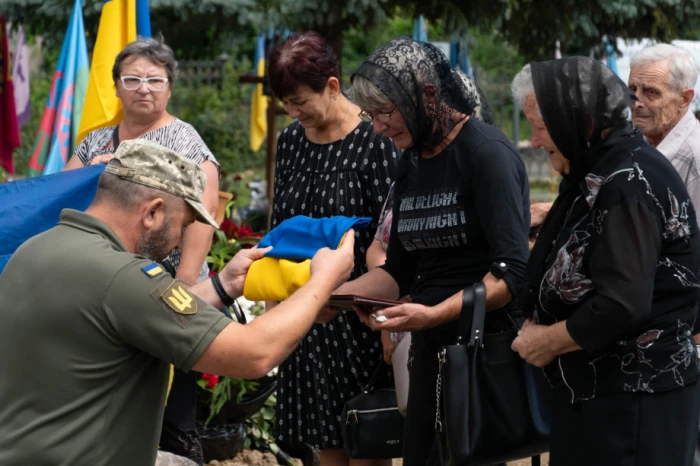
{"points": [[233, 275], [335, 264]]}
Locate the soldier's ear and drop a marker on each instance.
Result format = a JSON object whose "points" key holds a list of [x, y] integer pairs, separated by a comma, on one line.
{"points": [[153, 214]]}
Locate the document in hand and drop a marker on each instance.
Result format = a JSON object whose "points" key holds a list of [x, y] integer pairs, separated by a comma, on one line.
{"points": [[347, 301]]}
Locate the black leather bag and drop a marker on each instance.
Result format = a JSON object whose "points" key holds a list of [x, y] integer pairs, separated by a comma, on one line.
{"points": [[496, 407], [372, 423]]}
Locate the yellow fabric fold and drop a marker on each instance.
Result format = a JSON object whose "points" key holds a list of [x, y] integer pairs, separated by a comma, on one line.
{"points": [[271, 279]]}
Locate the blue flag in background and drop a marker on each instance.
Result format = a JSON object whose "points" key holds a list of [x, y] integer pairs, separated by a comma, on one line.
{"points": [[31, 206], [420, 30], [58, 128], [611, 58], [143, 19]]}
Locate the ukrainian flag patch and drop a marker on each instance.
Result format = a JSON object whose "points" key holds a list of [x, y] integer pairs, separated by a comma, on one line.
{"points": [[152, 270]]}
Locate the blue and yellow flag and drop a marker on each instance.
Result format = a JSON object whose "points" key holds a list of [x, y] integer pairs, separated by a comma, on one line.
{"points": [[258, 106], [120, 23], [58, 127], [32, 206]]}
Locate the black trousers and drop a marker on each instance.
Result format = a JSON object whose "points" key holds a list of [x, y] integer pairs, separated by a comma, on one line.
{"points": [[626, 429]]}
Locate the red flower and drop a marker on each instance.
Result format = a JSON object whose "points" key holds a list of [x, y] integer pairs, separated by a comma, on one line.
{"points": [[245, 230], [229, 228], [212, 380]]}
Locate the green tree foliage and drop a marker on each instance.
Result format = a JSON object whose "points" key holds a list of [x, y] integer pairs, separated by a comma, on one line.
{"points": [[534, 25], [205, 27], [221, 116]]}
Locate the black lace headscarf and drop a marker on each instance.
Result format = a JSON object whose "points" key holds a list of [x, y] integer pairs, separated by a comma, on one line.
{"points": [[584, 106], [407, 72]]}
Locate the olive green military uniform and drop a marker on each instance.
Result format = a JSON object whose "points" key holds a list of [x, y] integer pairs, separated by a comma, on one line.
{"points": [[87, 333]]}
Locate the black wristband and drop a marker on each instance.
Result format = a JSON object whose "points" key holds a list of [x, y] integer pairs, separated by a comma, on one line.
{"points": [[223, 296]]}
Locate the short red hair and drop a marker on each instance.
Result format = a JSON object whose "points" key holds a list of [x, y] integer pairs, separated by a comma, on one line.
{"points": [[301, 59]]}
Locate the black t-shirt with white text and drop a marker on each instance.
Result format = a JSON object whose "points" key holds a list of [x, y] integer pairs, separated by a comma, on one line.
{"points": [[459, 212]]}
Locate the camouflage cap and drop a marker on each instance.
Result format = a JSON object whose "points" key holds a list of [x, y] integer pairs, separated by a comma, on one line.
{"points": [[150, 164]]}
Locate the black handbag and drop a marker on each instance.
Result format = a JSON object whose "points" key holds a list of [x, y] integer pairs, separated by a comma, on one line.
{"points": [[495, 407], [372, 423]]}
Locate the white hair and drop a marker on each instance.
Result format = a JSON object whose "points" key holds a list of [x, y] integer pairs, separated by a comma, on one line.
{"points": [[523, 86], [683, 68], [366, 95]]}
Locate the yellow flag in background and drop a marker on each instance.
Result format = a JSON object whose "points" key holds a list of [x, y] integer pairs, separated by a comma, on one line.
{"points": [[258, 105], [117, 28]]}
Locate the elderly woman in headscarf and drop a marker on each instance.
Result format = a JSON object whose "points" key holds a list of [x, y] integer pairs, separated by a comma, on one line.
{"points": [[612, 282], [460, 215]]}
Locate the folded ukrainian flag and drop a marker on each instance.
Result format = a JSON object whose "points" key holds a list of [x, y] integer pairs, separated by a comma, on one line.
{"points": [[294, 242]]}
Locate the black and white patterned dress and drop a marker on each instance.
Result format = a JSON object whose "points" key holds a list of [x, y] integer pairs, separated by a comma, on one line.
{"points": [[335, 360], [178, 136]]}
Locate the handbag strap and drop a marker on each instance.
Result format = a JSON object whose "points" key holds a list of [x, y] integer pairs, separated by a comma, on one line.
{"points": [[370, 385], [473, 314], [115, 138], [477, 332]]}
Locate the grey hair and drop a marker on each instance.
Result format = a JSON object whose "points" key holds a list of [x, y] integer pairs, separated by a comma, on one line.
{"points": [[153, 50], [365, 94], [682, 66], [523, 86]]}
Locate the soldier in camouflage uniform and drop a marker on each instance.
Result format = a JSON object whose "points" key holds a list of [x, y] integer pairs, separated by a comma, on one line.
{"points": [[89, 322]]}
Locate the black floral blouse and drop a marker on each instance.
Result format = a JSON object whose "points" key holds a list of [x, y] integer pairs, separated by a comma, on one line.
{"points": [[624, 273]]}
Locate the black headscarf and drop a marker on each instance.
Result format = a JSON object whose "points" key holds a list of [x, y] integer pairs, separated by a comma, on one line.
{"points": [[578, 98], [403, 69]]}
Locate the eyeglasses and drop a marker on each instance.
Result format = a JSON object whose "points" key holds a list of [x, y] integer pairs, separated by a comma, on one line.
{"points": [[133, 83], [383, 117]]}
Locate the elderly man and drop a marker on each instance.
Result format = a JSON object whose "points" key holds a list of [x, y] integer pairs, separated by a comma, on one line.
{"points": [[89, 322], [662, 77]]}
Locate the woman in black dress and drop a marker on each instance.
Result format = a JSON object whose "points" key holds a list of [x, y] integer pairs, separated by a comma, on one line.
{"points": [[461, 215], [328, 163], [612, 282]]}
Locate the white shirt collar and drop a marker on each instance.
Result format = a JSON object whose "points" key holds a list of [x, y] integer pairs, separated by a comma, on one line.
{"points": [[671, 144]]}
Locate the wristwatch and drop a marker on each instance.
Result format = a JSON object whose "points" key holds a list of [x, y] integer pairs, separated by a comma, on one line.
{"points": [[498, 269]]}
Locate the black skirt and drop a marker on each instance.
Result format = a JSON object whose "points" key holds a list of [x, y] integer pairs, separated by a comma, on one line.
{"points": [[626, 429]]}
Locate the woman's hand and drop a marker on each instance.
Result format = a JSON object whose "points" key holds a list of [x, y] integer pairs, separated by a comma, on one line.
{"points": [[404, 318], [104, 158], [538, 212], [534, 344], [388, 346]]}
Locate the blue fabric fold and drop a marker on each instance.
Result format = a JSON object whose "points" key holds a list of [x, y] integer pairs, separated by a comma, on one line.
{"points": [[32, 206], [298, 238]]}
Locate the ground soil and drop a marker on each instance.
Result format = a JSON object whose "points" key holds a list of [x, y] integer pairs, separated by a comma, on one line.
{"points": [[256, 458]]}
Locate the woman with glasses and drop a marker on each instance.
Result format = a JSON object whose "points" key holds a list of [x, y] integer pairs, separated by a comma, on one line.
{"points": [[461, 215], [329, 163], [143, 74]]}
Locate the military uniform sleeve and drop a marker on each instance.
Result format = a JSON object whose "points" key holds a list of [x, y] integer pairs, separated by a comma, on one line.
{"points": [[156, 314]]}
